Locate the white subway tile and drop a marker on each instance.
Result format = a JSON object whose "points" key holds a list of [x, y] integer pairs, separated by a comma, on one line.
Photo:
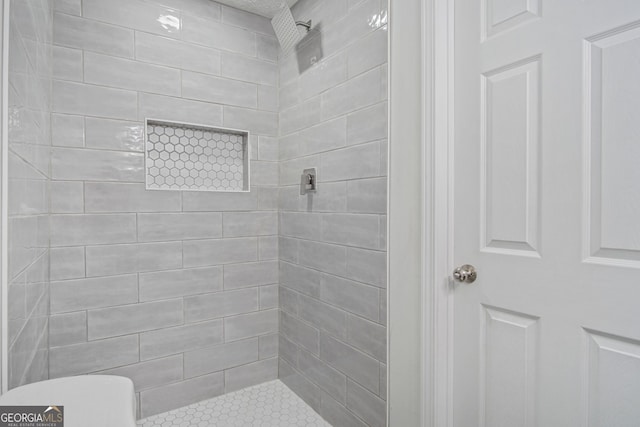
{"points": [[249, 69], [123, 73], [75, 230], [135, 14], [219, 90], [83, 99], [217, 35], [80, 33], [176, 53], [103, 197], [165, 107], [96, 165]]}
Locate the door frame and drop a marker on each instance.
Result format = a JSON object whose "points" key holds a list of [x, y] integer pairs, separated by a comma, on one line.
{"points": [[438, 164], [420, 210]]}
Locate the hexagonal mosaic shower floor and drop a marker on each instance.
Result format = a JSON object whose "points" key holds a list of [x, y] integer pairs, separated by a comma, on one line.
{"points": [[270, 404]]}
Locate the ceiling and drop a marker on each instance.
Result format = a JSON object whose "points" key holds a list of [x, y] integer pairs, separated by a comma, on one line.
{"points": [[266, 8]]}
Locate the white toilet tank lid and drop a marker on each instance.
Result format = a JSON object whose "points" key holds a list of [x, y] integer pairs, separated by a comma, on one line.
{"points": [[88, 400]]}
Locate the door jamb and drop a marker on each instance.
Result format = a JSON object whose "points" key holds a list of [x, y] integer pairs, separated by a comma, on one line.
{"points": [[438, 20]]}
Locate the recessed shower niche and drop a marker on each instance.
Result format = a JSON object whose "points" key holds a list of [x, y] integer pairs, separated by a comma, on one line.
{"points": [[185, 156]]}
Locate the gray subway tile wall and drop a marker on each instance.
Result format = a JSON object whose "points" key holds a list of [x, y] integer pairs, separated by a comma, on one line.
{"points": [[332, 243], [30, 68], [194, 294], [176, 290]]}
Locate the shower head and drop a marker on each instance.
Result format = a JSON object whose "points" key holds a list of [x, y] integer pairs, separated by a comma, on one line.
{"points": [[286, 29]]}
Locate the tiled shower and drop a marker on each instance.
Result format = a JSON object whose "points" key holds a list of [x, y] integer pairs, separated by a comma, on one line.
{"points": [[194, 294]]}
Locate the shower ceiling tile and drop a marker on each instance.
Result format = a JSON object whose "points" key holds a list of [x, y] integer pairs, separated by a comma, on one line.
{"points": [[266, 8]]}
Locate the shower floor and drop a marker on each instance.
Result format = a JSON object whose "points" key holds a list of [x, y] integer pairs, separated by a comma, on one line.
{"points": [[270, 404]]}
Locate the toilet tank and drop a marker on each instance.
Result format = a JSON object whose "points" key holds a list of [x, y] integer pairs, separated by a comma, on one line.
{"points": [[88, 400]]}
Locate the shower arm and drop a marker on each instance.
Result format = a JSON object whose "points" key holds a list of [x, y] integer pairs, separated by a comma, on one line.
{"points": [[306, 25]]}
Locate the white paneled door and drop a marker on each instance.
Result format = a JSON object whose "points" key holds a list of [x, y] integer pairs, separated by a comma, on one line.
{"points": [[547, 208]]}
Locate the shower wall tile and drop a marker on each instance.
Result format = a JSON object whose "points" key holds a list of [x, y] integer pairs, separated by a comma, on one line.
{"points": [[129, 319], [368, 52], [67, 263], [239, 224], [250, 275], [72, 7], [179, 109], [316, 80], [361, 161], [302, 116], [104, 70], [265, 173], [78, 98], [172, 396], [351, 296], [203, 8], [199, 253], [93, 356], [367, 266], [269, 296], [327, 378], [111, 197], [89, 35], [251, 374], [67, 197], [67, 131], [351, 230], [96, 165], [220, 304], [261, 122], [183, 271], [67, 64], [67, 329], [109, 260], [250, 21], [180, 339], [153, 227], [300, 332], [248, 69], [332, 243], [153, 373], [268, 47], [175, 53], [367, 196], [322, 316], [119, 135], [268, 248], [250, 325], [221, 357], [369, 124], [74, 230], [213, 34], [135, 14], [369, 337], [361, 91], [84, 294], [268, 100], [366, 405], [219, 90], [180, 283], [350, 361], [337, 414]]}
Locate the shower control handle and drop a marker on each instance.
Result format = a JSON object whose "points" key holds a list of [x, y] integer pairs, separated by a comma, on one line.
{"points": [[465, 274]]}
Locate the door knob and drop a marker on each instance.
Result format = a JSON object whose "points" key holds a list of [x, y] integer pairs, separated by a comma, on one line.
{"points": [[465, 274]]}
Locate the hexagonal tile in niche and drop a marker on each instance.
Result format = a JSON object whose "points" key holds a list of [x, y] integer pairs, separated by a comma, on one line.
{"points": [[189, 156]]}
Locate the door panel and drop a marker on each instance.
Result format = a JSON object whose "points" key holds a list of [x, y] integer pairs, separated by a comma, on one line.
{"points": [[547, 207]]}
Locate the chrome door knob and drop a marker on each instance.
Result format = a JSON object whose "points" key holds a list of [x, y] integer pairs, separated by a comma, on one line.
{"points": [[465, 274]]}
